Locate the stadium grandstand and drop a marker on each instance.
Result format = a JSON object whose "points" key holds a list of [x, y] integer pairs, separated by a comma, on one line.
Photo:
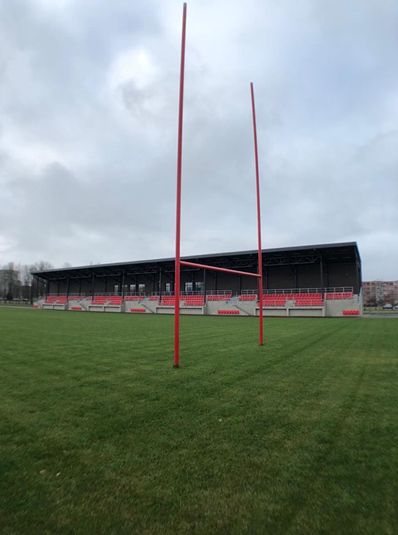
{"points": [[312, 280]]}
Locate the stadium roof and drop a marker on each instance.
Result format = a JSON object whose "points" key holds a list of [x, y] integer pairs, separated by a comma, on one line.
{"points": [[247, 259]]}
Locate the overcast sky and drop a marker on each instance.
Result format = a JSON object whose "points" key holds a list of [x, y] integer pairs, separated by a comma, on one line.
{"points": [[88, 127]]}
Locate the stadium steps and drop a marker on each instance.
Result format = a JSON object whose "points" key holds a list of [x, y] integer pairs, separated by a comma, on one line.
{"points": [[106, 303], [240, 305], [144, 304], [246, 306], [150, 304], [216, 303]]}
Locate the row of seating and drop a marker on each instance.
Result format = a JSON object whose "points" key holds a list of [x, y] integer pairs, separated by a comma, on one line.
{"points": [[292, 296], [247, 297], [228, 312], [314, 298], [107, 300], [219, 297], [56, 300], [300, 299], [141, 297], [298, 295], [308, 301], [339, 295], [187, 300], [353, 312], [194, 300], [96, 300]]}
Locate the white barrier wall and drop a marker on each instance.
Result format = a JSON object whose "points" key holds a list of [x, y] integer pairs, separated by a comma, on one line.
{"points": [[331, 308]]}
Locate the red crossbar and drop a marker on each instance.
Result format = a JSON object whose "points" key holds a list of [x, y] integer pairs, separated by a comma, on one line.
{"points": [[214, 268]]}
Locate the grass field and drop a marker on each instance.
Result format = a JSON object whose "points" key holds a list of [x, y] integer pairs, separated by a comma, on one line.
{"points": [[99, 434]]}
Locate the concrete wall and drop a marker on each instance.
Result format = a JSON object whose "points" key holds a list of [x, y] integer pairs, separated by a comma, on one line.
{"points": [[336, 307], [309, 312], [332, 308]]}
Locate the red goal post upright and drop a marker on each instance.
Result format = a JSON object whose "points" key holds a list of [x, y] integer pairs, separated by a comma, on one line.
{"points": [[178, 261], [259, 245]]}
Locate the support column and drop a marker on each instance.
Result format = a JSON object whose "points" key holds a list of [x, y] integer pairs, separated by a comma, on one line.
{"points": [[321, 272], [123, 282]]}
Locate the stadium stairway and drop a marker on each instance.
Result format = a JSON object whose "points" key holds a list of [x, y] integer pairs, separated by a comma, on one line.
{"points": [[75, 303], [79, 302], [246, 308], [133, 304], [55, 302], [143, 305], [217, 303], [106, 303], [150, 303]]}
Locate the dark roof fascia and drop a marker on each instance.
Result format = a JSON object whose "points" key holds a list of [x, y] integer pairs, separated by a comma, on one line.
{"points": [[276, 250]]}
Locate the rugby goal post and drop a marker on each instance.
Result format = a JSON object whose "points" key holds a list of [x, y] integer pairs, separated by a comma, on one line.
{"points": [[178, 261]]}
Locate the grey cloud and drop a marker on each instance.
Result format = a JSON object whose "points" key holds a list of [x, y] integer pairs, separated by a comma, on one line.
{"points": [[87, 167]]}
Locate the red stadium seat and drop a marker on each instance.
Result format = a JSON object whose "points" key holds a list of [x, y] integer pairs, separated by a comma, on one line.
{"points": [[247, 297], [194, 300], [168, 300], [309, 299], [339, 295], [107, 300], [219, 297], [56, 300], [275, 300]]}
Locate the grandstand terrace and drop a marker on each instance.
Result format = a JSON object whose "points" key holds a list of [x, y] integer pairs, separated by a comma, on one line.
{"points": [[311, 280]]}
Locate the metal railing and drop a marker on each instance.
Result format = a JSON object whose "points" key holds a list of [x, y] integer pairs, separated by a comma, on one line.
{"points": [[333, 289], [266, 291]]}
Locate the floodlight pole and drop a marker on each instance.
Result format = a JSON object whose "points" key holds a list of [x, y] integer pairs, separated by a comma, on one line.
{"points": [[177, 279], [260, 255]]}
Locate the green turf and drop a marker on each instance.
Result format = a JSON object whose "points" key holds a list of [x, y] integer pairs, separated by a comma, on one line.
{"points": [[99, 434]]}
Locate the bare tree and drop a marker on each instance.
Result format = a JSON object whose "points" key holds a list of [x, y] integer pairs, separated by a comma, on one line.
{"points": [[17, 281]]}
